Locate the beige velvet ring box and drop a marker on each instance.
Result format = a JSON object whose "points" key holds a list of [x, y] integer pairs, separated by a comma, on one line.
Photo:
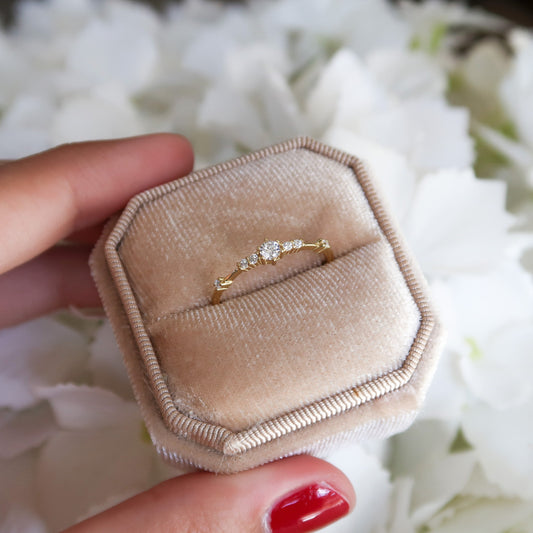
{"points": [[299, 357]]}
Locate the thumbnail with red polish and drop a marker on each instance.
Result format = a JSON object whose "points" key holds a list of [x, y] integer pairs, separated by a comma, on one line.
{"points": [[308, 509]]}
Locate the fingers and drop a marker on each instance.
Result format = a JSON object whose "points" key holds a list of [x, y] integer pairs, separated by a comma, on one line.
{"points": [[56, 279], [292, 495], [50, 195]]}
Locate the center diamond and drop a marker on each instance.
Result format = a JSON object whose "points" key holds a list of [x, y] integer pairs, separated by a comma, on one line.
{"points": [[270, 250]]}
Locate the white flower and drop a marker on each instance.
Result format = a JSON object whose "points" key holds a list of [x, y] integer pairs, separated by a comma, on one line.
{"points": [[365, 76], [498, 369], [458, 224], [25, 127], [482, 516], [389, 168], [106, 365], [105, 112], [373, 489], [407, 74], [19, 519], [335, 24], [503, 441], [423, 453], [122, 461], [113, 51], [37, 353], [17, 492], [21, 431], [424, 128], [430, 20]]}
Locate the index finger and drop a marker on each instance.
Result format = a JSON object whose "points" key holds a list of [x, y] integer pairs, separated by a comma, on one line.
{"points": [[47, 196]]}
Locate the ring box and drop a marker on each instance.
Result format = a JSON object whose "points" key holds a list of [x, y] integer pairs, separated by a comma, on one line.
{"points": [[299, 357]]}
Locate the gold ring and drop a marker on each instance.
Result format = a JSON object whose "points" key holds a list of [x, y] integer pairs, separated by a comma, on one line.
{"points": [[269, 253]]}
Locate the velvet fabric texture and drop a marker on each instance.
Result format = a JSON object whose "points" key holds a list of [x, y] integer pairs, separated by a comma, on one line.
{"points": [[296, 358]]}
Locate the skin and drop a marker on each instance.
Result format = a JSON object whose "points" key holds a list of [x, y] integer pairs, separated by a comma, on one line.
{"points": [[66, 194]]}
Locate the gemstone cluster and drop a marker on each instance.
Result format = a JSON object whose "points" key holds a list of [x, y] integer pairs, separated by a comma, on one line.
{"points": [[269, 252]]}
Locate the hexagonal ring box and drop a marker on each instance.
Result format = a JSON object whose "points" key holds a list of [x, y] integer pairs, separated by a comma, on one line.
{"points": [[299, 357]]}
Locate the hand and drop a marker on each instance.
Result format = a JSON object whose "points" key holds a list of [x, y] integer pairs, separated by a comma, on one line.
{"points": [[66, 194]]}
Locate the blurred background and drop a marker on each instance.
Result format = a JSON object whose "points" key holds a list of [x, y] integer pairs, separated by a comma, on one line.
{"points": [[438, 99], [518, 11]]}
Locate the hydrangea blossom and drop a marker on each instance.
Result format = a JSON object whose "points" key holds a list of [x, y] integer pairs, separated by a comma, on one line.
{"points": [[448, 136]]}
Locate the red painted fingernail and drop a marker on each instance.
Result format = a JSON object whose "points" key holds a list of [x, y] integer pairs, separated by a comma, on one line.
{"points": [[308, 509]]}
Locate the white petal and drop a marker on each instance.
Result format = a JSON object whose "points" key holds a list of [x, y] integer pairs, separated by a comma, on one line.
{"points": [[279, 108], [439, 481], [458, 223], [503, 441], [17, 477], [485, 303], [106, 365], [55, 18], [22, 520], [483, 516], [399, 520], [407, 74], [224, 36], [16, 70], [29, 110], [499, 370], [446, 395], [247, 65], [104, 114], [344, 96], [139, 17], [23, 430], [484, 68], [423, 440], [373, 490], [388, 168], [428, 131], [114, 51], [229, 112], [480, 487], [84, 407], [21, 142], [40, 352], [78, 470], [387, 29], [517, 153]]}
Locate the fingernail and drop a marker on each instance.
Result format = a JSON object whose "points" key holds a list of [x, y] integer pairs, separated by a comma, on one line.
{"points": [[308, 509]]}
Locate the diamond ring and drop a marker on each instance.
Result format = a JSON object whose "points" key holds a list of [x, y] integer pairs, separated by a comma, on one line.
{"points": [[269, 253]]}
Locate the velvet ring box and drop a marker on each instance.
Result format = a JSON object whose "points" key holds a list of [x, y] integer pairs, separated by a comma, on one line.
{"points": [[297, 358]]}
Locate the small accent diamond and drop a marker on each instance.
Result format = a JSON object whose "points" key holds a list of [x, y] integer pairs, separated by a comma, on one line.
{"points": [[253, 259], [243, 264], [270, 250], [217, 283], [298, 243], [287, 246]]}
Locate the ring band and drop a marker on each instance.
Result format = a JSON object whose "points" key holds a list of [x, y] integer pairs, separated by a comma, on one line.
{"points": [[269, 253]]}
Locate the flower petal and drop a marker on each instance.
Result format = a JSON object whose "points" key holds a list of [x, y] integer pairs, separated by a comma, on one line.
{"points": [[106, 462], [458, 223], [373, 489], [503, 441], [40, 352], [23, 430], [84, 407], [106, 365]]}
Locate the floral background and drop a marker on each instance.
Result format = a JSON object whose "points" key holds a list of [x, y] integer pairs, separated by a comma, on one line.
{"points": [[438, 98]]}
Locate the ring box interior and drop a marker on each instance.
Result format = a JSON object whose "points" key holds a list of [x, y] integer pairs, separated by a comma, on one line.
{"points": [[299, 357]]}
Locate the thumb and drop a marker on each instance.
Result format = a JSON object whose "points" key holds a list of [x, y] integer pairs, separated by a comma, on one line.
{"points": [[293, 495]]}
